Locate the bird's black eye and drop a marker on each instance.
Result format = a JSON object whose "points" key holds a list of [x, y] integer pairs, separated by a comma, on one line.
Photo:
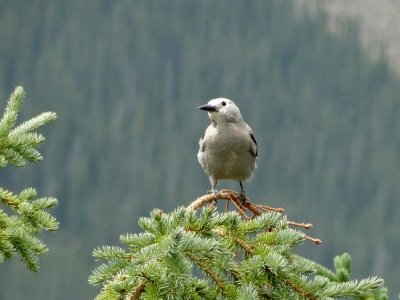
{"points": [[223, 103]]}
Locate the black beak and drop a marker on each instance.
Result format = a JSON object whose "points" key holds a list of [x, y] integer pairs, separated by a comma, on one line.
{"points": [[208, 107]]}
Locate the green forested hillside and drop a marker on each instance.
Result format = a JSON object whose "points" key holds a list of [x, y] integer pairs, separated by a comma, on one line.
{"points": [[126, 78]]}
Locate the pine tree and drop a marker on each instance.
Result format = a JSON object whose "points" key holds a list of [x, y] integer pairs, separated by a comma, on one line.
{"points": [[22, 215], [199, 253]]}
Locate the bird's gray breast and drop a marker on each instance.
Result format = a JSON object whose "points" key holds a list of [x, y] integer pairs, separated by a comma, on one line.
{"points": [[226, 153]]}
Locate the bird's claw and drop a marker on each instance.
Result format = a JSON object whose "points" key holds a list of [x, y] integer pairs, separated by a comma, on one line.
{"points": [[212, 191], [242, 196]]}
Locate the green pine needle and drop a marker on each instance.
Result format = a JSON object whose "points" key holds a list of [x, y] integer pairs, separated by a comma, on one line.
{"points": [[204, 254], [29, 216], [18, 145], [352, 288], [34, 123]]}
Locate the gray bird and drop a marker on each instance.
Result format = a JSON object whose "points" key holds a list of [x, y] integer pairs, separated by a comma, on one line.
{"points": [[228, 149]]}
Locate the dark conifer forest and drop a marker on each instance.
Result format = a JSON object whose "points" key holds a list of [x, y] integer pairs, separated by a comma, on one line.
{"points": [[125, 79]]}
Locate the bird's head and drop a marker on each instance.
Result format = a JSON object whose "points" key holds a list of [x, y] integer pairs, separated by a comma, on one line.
{"points": [[222, 110]]}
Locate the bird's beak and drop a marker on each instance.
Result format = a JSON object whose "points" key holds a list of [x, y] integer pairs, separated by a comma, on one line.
{"points": [[208, 107]]}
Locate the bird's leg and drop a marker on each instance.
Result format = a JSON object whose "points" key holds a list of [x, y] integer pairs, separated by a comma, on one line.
{"points": [[242, 194], [213, 190], [213, 184]]}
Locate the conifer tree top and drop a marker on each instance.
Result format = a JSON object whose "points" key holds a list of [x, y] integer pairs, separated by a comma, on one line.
{"points": [[200, 253]]}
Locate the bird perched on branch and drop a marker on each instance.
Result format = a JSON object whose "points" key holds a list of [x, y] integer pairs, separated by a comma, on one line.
{"points": [[228, 149]]}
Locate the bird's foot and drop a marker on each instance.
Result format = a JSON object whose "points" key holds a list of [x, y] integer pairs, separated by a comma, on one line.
{"points": [[212, 191], [242, 196]]}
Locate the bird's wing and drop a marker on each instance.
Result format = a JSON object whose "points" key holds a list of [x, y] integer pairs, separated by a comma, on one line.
{"points": [[254, 146]]}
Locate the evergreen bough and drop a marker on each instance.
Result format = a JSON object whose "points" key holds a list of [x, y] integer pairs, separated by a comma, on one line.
{"points": [[22, 215], [200, 253]]}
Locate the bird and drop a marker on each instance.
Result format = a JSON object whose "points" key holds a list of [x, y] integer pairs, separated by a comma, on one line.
{"points": [[228, 149]]}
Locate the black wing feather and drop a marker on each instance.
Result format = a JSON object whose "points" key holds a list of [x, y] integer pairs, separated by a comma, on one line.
{"points": [[255, 142]]}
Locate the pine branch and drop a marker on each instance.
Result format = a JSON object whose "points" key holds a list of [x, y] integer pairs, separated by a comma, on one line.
{"points": [[18, 145], [11, 112], [29, 216], [9, 198], [203, 266], [352, 288], [33, 124], [242, 254]]}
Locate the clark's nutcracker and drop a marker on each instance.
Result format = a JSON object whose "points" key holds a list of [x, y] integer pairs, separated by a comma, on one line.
{"points": [[228, 149]]}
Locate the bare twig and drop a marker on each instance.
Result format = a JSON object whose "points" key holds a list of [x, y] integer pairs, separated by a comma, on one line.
{"points": [[302, 225], [227, 206], [314, 240], [138, 291], [243, 206]]}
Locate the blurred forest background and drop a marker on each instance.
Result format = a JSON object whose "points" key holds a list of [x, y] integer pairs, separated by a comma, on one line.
{"points": [[126, 78]]}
